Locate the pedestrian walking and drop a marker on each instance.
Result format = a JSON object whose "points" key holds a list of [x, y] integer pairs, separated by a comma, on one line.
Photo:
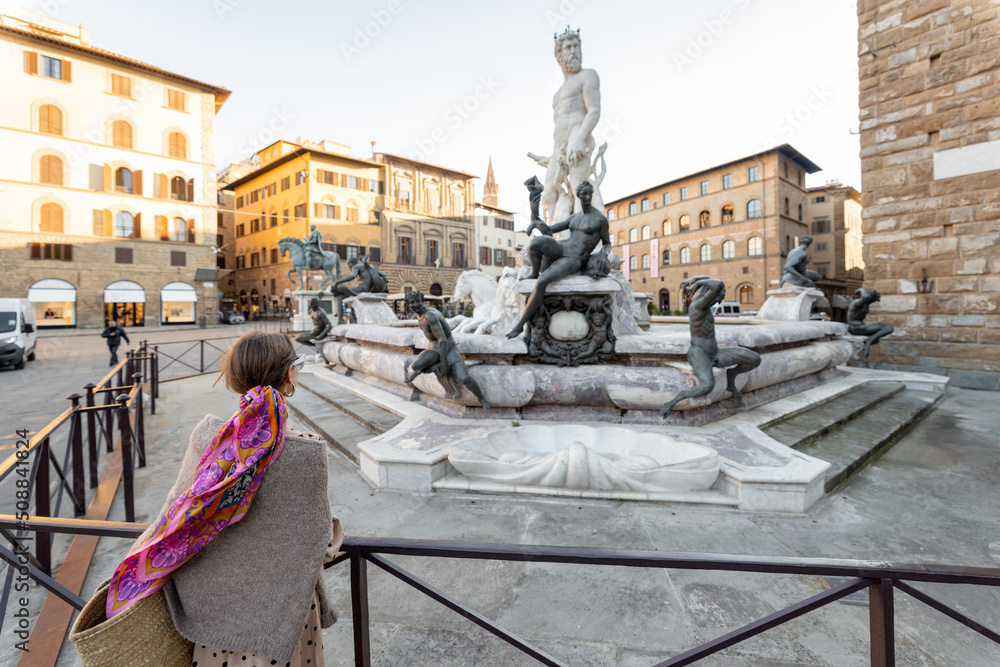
{"points": [[114, 333]]}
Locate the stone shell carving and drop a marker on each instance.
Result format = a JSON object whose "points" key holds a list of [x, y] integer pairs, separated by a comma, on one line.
{"points": [[582, 457]]}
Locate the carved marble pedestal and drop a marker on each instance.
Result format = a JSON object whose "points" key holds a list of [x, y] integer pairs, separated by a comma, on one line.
{"points": [[302, 321], [790, 303], [370, 308]]}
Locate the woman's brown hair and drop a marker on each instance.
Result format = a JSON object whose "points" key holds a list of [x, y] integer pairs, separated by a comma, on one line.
{"points": [[257, 359]]}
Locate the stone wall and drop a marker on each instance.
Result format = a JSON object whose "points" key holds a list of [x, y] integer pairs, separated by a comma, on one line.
{"points": [[930, 143]]}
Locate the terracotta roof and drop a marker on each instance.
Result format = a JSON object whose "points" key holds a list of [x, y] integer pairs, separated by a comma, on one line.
{"points": [[292, 155], [428, 164], [221, 94]]}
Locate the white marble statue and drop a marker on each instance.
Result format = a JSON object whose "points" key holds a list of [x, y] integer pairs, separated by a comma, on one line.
{"points": [[576, 110], [481, 288]]}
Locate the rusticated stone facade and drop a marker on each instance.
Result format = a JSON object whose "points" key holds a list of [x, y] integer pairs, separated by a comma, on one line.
{"points": [[930, 151]]}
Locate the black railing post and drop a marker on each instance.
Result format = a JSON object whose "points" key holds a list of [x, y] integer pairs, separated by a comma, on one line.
{"points": [[128, 364], [880, 615], [201, 366], [91, 433], [118, 377], [109, 423], [43, 541], [140, 421], [76, 443], [128, 472], [156, 372], [359, 609]]}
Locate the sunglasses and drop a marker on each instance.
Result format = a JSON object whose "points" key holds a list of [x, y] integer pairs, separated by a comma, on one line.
{"points": [[300, 361]]}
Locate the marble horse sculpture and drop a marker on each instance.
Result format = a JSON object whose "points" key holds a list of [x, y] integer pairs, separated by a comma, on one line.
{"points": [[857, 311], [443, 357], [482, 289], [704, 353], [304, 260], [552, 260]]}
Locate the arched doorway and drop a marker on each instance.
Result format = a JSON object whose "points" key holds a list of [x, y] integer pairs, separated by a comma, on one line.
{"points": [[435, 289], [664, 300], [125, 301], [54, 301], [177, 303]]}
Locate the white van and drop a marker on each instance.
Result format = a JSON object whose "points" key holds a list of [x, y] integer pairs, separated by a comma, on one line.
{"points": [[726, 309], [17, 332]]}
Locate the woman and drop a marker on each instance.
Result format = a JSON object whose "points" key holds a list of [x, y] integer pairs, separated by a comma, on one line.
{"points": [[239, 547]]}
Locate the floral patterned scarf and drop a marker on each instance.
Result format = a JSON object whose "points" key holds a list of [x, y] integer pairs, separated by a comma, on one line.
{"points": [[225, 483]]}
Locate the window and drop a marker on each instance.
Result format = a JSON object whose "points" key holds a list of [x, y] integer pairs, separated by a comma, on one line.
{"points": [[240, 230], [786, 206], [300, 211], [819, 200], [178, 231], [328, 177], [123, 255], [178, 258], [123, 181], [800, 212], [727, 181], [727, 213], [274, 255], [704, 219], [746, 294], [645, 261], [728, 249], [821, 227], [241, 262], [684, 222], [666, 227], [254, 259], [645, 232], [124, 225], [177, 145], [666, 258], [755, 246], [621, 238], [352, 182], [611, 215], [753, 208], [239, 202], [633, 262], [432, 252], [351, 212], [753, 174], [823, 270], [50, 119], [121, 85], [286, 183], [685, 255], [405, 250], [274, 220], [60, 251], [51, 67], [176, 100], [785, 165], [484, 256], [821, 247], [631, 208], [684, 193], [255, 225], [633, 235], [121, 134], [704, 188], [705, 252], [178, 188], [300, 177], [50, 170], [51, 218], [458, 253], [666, 198], [644, 205], [284, 216]]}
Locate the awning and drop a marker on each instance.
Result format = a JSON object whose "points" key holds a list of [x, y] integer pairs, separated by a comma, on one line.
{"points": [[52, 290], [178, 292], [124, 291]]}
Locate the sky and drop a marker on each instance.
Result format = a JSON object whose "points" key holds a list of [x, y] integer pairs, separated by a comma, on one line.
{"points": [[684, 85]]}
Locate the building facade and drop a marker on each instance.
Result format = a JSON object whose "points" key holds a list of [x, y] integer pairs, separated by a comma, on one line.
{"points": [[930, 165], [495, 237], [288, 188], [428, 226], [834, 215], [735, 222], [107, 181]]}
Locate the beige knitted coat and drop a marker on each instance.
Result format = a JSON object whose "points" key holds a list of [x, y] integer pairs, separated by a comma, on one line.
{"points": [[250, 589]]}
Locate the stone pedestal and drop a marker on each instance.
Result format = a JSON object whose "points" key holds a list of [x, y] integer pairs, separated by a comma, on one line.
{"points": [[370, 308], [790, 303], [302, 321], [640, 308]]}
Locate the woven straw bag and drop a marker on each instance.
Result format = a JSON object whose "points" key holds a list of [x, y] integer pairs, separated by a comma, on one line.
{"points": [[141, 636]]}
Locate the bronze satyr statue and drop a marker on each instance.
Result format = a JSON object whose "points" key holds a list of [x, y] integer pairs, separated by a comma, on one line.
{"points": [[704, 353], [856, 314], [443, 357], [552, 259], [370, 280], [795, 271], [321, 324]]}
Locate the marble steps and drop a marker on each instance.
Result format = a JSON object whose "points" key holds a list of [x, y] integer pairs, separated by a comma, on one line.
{"points": [[858, 442], [374, 418], [320, 416], [804, 428]]}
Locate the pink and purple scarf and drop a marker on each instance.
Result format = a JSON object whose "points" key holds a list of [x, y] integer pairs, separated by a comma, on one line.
{"points": [[225, 483]]}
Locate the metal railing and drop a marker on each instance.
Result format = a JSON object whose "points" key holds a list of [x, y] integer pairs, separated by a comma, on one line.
{"points": [[89, 430], [881, 579]]}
